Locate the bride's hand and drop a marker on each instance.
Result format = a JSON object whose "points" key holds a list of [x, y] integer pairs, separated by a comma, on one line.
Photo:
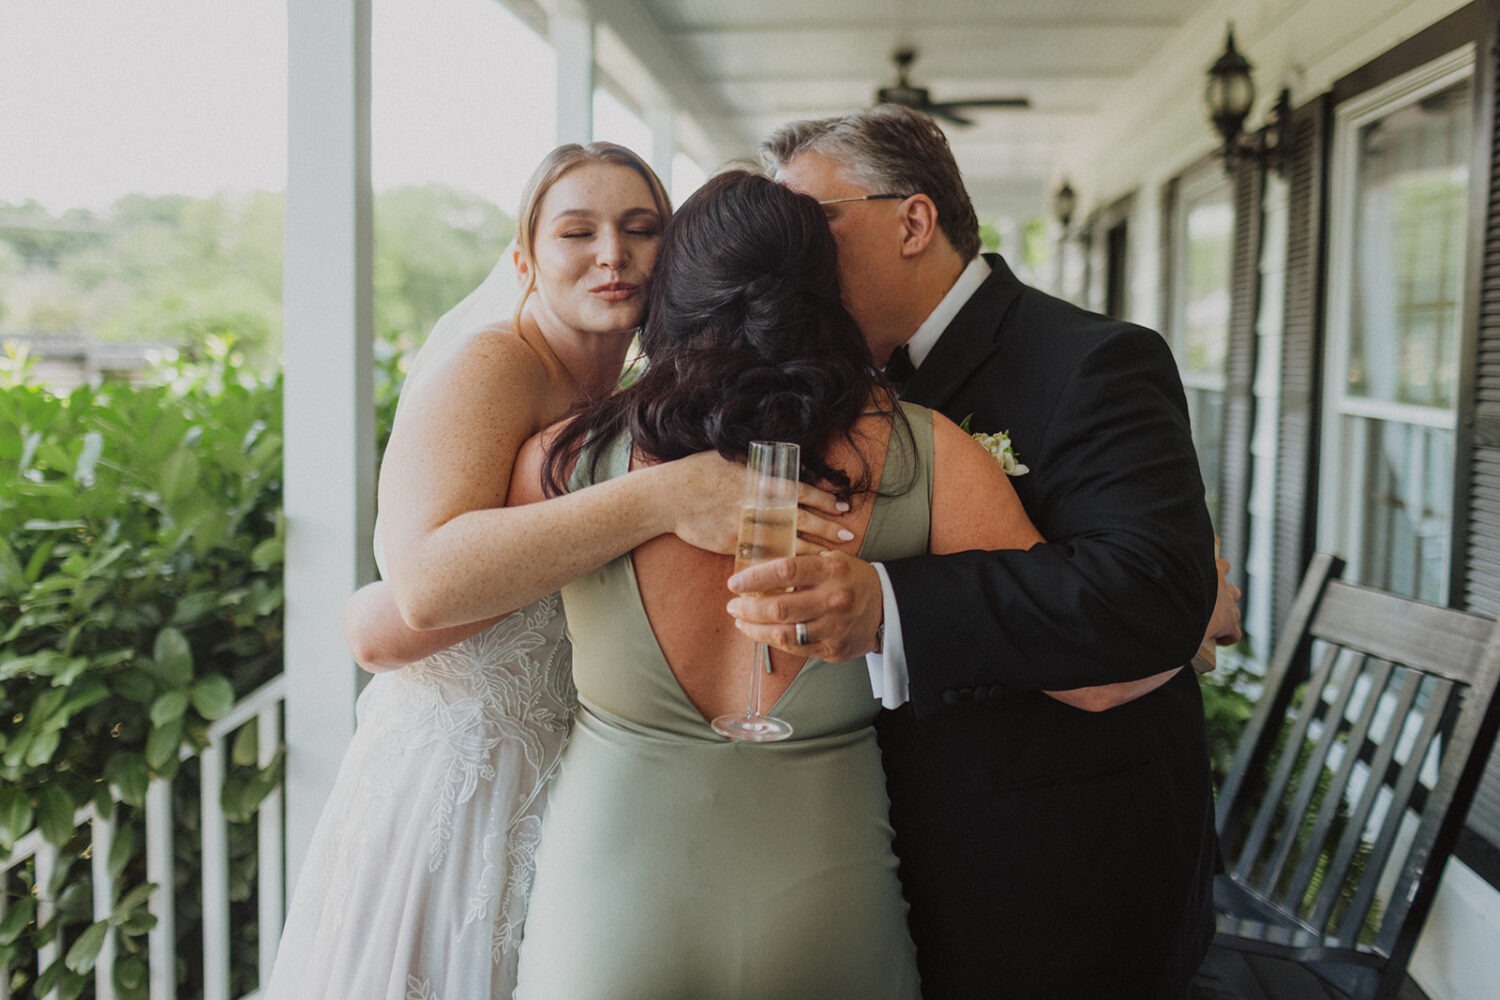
{"points": [[705, 491]]}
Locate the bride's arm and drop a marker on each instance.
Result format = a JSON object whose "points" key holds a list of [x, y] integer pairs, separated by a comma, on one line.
{"points": [[380, 640], [454, 553]]}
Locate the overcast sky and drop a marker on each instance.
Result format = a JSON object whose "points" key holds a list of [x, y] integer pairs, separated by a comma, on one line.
{"points": [[100, 98]]}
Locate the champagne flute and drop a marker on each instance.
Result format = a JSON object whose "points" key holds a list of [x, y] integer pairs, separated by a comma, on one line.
{"points": [[768, 530]]}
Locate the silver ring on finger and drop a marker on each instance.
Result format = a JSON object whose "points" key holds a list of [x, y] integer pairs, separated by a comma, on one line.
{"points": [[802, 639]]}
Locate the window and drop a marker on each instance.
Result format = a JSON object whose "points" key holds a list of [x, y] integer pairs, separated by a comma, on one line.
{"points": [[1396, 288], [1202, 257]]}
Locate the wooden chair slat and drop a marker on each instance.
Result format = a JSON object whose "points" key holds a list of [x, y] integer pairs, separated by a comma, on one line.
{"points": [[1286, 765], [1332, 722], [1348, 846]]}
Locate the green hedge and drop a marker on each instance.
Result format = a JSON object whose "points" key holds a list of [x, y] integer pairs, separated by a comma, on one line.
{"points": [[140, 596]]}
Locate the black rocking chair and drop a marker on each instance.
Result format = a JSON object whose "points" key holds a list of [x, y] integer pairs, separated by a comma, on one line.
{"points": [[1347, 792]]}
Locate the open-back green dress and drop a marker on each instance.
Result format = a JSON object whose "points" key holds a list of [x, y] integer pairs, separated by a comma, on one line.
{"points": [[677, 865]]}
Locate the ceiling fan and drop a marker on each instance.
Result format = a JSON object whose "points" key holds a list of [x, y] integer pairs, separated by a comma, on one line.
{"points": [[918, 97]]}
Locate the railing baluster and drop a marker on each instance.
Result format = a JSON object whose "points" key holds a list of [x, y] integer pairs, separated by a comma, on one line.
{"points": [[262, 708], [215, 853], [162, 940], [102, 829], [269, 888], [45, 862]]}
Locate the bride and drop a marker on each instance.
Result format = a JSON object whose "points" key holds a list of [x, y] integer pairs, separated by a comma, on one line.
{"points": [[417, 879]]}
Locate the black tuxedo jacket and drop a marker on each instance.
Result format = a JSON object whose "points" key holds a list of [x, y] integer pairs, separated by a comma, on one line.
{"points": [[1047, 851]]}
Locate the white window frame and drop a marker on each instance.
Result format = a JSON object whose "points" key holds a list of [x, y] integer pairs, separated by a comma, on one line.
{"points": [[1337, 517], [1191, 186]]}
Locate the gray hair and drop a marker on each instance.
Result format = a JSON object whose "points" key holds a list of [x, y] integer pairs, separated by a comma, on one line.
{"points": [[887, 148]]}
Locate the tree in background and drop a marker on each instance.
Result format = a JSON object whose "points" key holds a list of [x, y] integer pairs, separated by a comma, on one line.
{"points": [[178, 270]]}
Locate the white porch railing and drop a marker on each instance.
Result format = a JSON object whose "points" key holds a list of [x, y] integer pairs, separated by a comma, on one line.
{"points": [[263, 707]]}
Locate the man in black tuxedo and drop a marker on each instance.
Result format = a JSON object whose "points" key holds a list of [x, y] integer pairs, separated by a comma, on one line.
{"points": [[1045, 851]]}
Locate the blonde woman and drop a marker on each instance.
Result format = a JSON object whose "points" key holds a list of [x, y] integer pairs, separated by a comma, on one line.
{"points": [[418, 877]]}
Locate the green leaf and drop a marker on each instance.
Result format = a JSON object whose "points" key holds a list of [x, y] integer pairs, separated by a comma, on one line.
{"points": [[174, 657], [245, 749], [162, 744], [169, 707], [265, 781], [138, 923], [15, 816], [194, 608], [84, 694], [45, 663], [39, 557], [130, 976], [132, 900], [179, 475], [213, 697], [128, 773], [269, 553], [54, 814], [12, 574], [43, 746], [122, 848], [50, 979], [72, 668], [134, 685], [15, 752], [17, 919], [85, 951]]}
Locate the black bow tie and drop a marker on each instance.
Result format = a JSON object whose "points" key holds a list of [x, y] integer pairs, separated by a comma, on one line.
{"points": [[899, 369]]}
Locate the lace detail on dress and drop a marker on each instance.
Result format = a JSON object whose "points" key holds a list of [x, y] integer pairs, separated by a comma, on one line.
{"points": [[489, 689], [443, 787]]}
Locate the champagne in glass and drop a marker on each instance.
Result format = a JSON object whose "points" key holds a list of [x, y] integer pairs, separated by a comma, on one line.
{"points": [[768, 530]]}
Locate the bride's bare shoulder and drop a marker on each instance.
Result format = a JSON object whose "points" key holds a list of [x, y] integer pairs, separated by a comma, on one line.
{"points": [[487, 356], [487, 374]]}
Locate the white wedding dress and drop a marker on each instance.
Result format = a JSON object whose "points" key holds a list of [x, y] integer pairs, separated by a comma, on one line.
{"points": [[416, 883], [418, 877]]}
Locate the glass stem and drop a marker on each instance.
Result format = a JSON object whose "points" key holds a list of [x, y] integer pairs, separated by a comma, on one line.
{"points": [[760, 651]]}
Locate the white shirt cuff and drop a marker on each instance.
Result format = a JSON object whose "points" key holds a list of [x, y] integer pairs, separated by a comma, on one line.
{"points": [[888, 678]]}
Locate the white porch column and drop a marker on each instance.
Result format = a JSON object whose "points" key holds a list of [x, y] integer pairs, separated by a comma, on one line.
{"points": [[329, 408], [570, 29], [663, 144]]}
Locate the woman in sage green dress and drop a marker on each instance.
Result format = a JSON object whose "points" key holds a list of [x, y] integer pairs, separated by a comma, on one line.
{"points": [[674, 864]]}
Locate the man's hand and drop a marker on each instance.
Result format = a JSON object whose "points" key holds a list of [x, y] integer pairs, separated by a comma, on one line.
{"points": [[835, 596], [705, 491], [1224, 623]]}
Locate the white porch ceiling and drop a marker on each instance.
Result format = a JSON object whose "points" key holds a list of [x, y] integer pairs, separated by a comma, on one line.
{"points": [[740, 68]]}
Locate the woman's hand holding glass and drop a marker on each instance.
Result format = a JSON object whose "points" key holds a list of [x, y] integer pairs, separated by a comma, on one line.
{"points": [[707, 490]]}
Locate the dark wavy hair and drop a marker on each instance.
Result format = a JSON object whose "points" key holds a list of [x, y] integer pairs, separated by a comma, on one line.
{"points": [[746, 336]]}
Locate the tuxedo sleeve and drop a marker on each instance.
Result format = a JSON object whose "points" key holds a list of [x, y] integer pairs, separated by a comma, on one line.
{"points": [[1125, 583]]}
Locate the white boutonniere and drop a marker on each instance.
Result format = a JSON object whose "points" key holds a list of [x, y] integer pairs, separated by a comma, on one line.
{"points": [[998, 445]]}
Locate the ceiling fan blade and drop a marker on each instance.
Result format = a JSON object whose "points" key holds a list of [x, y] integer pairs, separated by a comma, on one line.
{"points": [[989, 102], [912, 97], [946, 111]]}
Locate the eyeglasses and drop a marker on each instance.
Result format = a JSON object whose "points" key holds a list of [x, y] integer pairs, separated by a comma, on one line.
{"points": [[864, 197]]}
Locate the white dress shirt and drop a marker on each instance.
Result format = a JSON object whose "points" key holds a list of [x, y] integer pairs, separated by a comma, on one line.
{"points": [[889, 680]]}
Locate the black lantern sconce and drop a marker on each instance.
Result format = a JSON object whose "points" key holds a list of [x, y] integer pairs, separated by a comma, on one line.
{"points": [[1064, 201], [1229, 95]]}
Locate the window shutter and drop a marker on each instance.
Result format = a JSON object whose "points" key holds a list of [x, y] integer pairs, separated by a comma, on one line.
{"points": [[1301, 351], [1479, 529], [1239, 398]]}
